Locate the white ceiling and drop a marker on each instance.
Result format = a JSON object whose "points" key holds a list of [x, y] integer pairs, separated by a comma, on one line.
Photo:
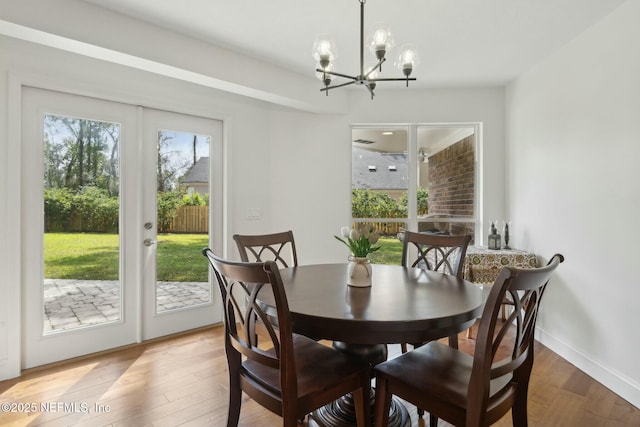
{"points": [[461, 42], [430, 138]]}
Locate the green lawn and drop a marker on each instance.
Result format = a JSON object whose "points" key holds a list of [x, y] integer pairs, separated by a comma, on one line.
{"points": [[389, 253], [94, 256]]}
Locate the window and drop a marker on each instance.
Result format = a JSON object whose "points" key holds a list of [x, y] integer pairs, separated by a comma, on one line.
{"points": [[425, 181]]}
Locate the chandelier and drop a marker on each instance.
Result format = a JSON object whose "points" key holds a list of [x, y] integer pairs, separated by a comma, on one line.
{"points": [[381, 42]]}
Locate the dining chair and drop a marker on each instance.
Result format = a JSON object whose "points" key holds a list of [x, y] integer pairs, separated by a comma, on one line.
{"points": [[436, 252], [278, 247], [474, 390], [288, 374]]}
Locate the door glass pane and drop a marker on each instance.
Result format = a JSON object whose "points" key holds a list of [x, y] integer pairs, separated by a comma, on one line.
{"points": [[182, 204], [81, 221]]}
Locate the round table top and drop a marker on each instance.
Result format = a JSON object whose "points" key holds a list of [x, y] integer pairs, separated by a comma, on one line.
{"points": [[402, 305]]}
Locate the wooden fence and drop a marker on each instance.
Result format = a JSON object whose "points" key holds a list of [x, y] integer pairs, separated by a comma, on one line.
{"points": [[190, 219], [389, 229]]}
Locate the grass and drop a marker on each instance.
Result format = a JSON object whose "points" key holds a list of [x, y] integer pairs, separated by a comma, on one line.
{"points": [[389, 253], [94, 256]]}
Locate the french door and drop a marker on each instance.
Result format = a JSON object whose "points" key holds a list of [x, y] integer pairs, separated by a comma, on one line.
{"points": [[107, 256], [182, 164]]}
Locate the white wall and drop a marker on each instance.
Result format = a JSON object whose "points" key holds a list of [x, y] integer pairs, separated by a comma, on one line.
{"points": [[574, 187]]}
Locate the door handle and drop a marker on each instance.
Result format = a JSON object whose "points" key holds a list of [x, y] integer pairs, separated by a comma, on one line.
{"points": [[150, 242]]}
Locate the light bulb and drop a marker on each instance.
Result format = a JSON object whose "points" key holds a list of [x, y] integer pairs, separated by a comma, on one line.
{"points": [[324, 51], [381, 41], [408, 59]]}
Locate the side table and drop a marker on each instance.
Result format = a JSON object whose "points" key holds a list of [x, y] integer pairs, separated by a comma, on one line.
{"points": [[482, 266]]}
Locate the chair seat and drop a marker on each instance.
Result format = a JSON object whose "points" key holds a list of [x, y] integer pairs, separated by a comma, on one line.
{"points": [[437, 373], [316, 366]]}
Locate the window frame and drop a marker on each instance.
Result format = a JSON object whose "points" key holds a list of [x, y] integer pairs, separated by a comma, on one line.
{"points": [[412, 220]]}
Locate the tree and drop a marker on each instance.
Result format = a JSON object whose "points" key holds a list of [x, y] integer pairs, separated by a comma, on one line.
{"points": [[80, 152], [173, 162], [422, 202]]}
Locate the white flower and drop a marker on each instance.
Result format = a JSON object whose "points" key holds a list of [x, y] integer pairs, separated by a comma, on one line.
{"points": [[359, 240]]}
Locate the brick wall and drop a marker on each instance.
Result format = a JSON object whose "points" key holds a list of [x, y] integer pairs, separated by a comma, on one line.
{"points": [[452, 181]]}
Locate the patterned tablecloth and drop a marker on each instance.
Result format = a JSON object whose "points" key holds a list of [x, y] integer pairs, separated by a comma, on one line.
{"points": [[483, 265]]}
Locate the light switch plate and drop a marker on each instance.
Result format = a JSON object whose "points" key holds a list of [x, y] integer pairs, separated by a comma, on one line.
{"points": [[254, 214]]}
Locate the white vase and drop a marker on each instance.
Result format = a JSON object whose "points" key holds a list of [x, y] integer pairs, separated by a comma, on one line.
{"points": [[359, 271]]}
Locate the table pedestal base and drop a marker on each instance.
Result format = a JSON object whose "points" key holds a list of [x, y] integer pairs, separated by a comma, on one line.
{"points": [[341, 412]]}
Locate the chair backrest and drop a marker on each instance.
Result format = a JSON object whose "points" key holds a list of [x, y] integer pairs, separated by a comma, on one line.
{"points": [[495, 370], [436, 252], [240, 283], [278, 247]]}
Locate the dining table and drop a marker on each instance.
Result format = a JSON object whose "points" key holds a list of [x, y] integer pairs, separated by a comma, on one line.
{"points": [[403, 304]]}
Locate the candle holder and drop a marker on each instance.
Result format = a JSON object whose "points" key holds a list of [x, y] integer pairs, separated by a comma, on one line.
{"points": [[506, 229]]}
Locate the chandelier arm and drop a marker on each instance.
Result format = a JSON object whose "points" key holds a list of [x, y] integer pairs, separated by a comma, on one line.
{"points": [[333, 73], [391, 79], [336, 86], [375, 67]]}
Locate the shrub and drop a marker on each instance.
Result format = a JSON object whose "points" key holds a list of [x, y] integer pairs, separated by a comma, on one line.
{"points": [[167, 206], [57, 208], [98, 211], [369, 204], [194, 199]]}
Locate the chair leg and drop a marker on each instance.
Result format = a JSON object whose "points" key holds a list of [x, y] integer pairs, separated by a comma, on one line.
{"points": [[234, 362], [362, 405], [235, 401], [383, 403], [453, 341], [403, 347], [288, 421], [519, 408], [433, 421]]}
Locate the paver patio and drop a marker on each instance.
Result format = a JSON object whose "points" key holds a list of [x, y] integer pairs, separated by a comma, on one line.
{"points": [[71, 304]]}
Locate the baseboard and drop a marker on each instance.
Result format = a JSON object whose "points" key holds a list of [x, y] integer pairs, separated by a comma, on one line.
{"points": [[614, 380]]}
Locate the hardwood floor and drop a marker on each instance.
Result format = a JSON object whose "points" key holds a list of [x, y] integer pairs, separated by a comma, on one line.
{"points": [[182, 381]]}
